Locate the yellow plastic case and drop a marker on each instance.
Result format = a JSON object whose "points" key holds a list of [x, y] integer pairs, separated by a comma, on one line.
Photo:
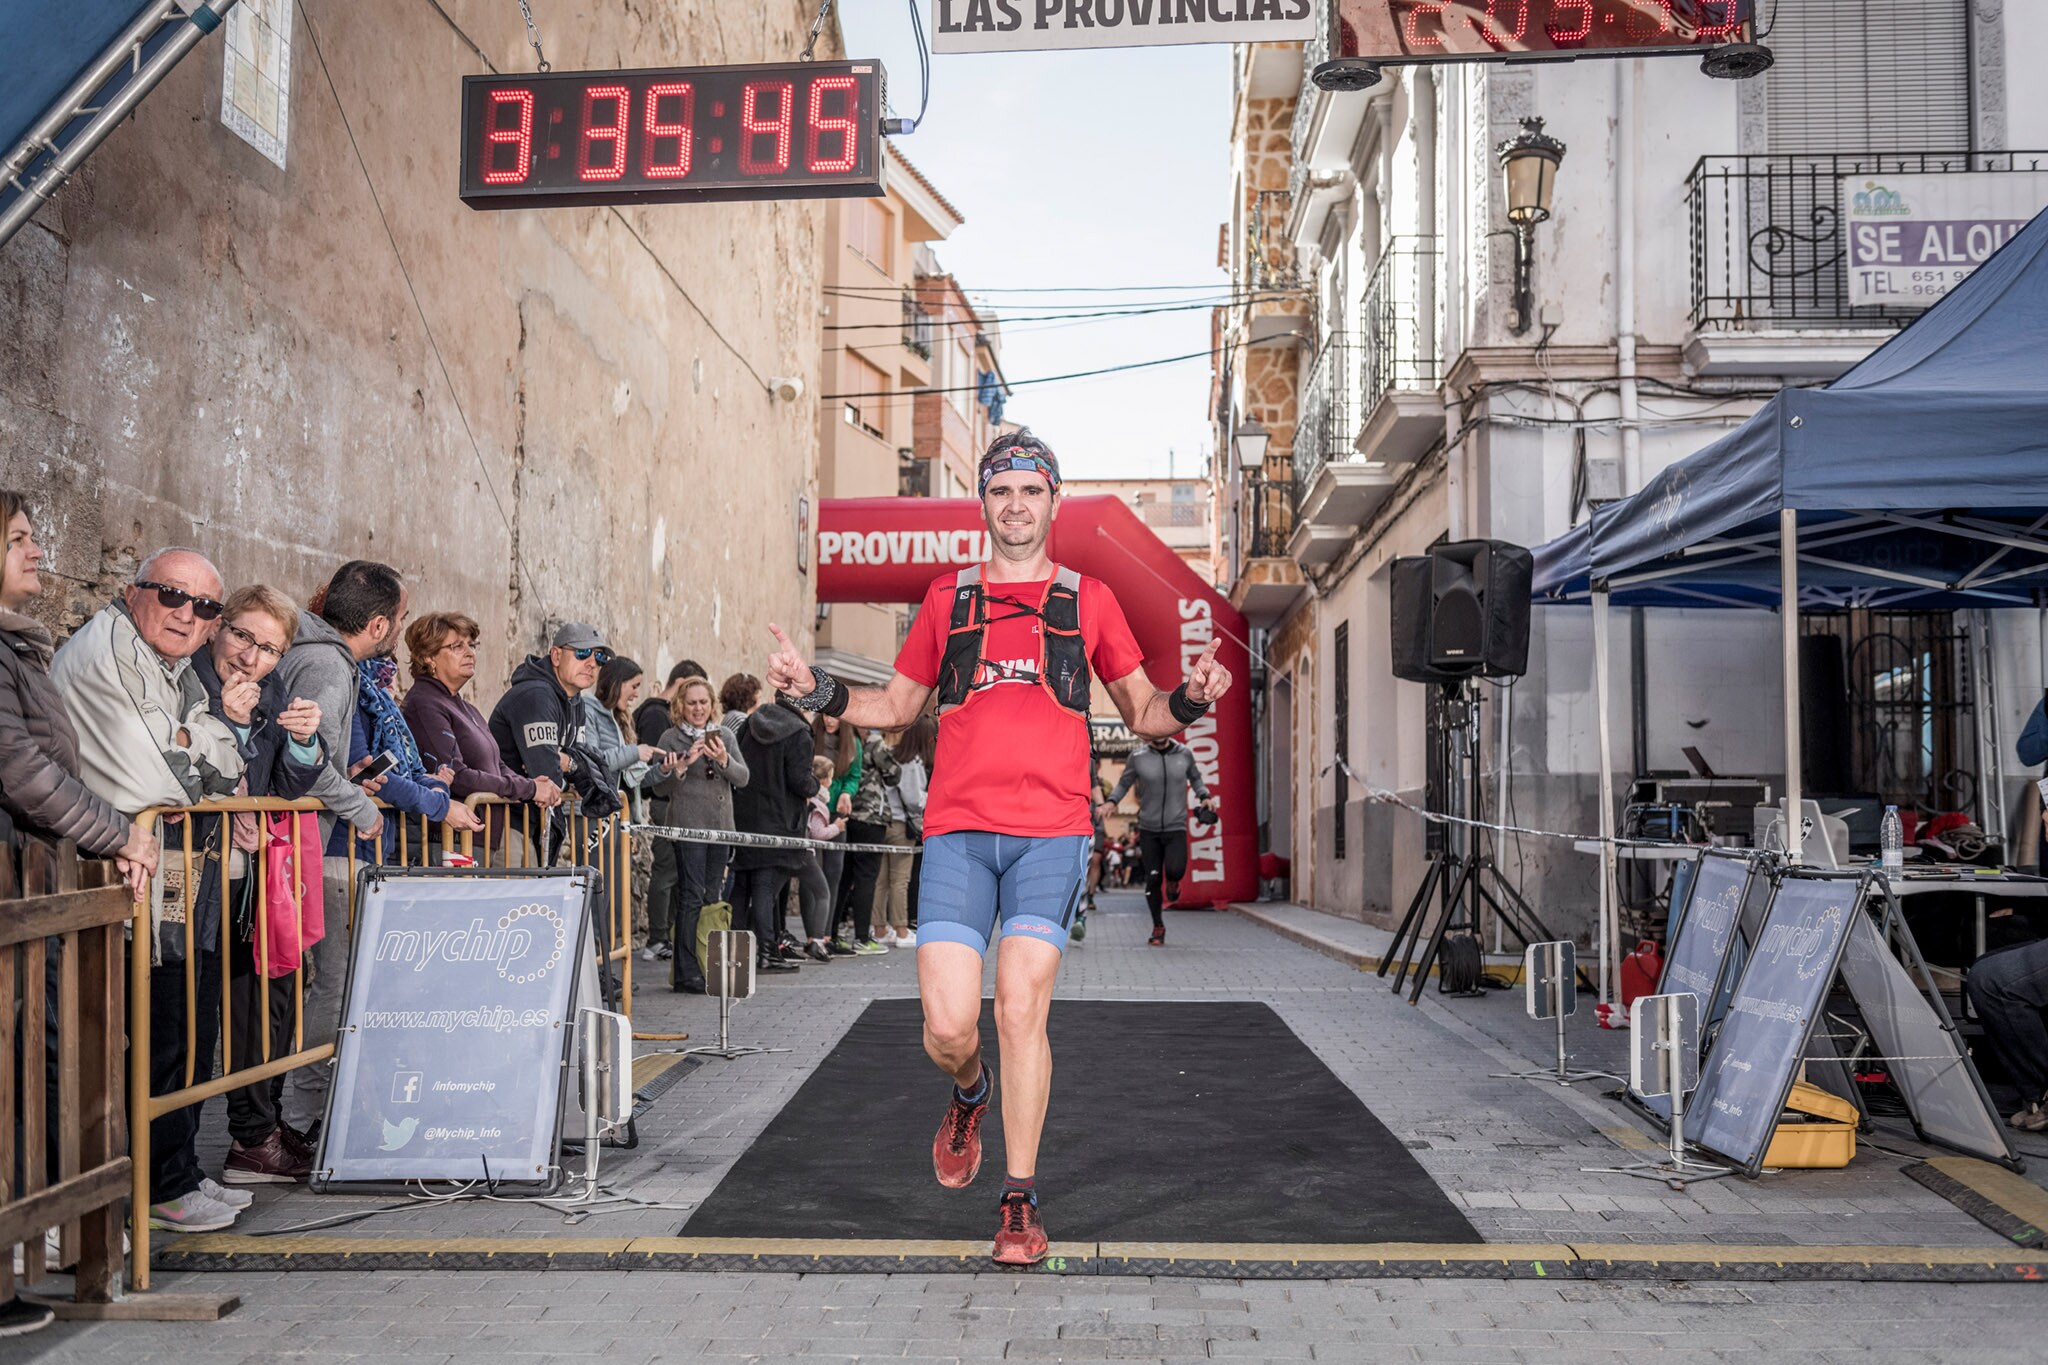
{"points": [[1823, 1136]]}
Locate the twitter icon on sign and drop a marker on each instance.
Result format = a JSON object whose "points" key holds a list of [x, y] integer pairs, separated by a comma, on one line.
{"points": [[396, 1135]]}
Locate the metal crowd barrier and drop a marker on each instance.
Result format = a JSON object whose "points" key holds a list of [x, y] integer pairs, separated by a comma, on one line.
{"points": [[575, 839], [61, 926]]}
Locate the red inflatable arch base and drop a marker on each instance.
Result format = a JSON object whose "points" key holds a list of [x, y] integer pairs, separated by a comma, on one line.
{"points": [[890, 549]]}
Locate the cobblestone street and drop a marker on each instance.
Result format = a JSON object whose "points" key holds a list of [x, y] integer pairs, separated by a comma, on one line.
{"points": [[1508, 1152]]}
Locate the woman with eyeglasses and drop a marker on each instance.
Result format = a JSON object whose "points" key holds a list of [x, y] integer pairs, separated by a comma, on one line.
{"points": [[451, 732], [280, 738]]}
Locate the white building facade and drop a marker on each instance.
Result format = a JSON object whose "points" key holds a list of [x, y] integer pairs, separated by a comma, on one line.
{"points": [[1691, 267]]}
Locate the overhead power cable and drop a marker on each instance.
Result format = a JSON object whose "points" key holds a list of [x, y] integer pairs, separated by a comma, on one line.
{"points": [[1020, 383], [1041, 317]]}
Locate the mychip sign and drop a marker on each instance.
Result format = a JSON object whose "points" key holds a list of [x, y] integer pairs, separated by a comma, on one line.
{"points": [[1030, 25], [454, 1038], [1912, 238]]}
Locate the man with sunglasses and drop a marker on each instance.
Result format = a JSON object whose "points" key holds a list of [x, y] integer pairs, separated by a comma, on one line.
{"points": [[535, 722], [146, 739]]}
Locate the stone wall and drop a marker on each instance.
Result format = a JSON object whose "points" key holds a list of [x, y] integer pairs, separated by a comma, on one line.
{"points": [[197, 347]]}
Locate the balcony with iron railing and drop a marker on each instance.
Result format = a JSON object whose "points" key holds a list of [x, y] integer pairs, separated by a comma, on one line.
{"points": [[1401, 414], [1266, 582], [917, 326], [1770, 237], [1336, 488]]}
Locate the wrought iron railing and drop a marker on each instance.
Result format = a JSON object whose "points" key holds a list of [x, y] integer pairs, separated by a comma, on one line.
{"points": [[1269, 256], [917, 326], [1397, 321], [1769, 245], [1314, 53], [1326, 425], [1268, 516]]}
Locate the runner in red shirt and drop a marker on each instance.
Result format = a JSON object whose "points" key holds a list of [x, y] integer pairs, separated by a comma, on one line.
{"points": [[1009, 648]]}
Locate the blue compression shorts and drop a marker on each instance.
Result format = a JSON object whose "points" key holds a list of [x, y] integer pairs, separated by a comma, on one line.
{"points": [[974, 883]]}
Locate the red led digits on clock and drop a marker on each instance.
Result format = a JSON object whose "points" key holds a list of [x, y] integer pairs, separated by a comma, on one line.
{"points": [[1731, 18], [612, 133], [1639, 29], [1416, 40], [845, 125], [519, 138], [753, 127], [659, 132], [1492, 28], [1560, 34]]}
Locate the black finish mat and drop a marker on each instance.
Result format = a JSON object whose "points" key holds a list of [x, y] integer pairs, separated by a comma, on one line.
{"points": [[1175, 1122]]}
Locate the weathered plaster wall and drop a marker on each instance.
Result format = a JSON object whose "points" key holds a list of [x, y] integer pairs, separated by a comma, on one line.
{"points": [[196, 347]]}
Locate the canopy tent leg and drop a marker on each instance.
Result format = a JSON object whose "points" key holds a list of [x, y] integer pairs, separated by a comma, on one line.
{"points": [[1606, 928], [1788, 634]]}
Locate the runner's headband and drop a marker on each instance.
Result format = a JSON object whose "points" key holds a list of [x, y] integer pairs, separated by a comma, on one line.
{"points": [[1019, 459]]}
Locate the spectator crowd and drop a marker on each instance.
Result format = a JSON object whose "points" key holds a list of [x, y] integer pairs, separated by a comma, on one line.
{"points": [[181, 692]]}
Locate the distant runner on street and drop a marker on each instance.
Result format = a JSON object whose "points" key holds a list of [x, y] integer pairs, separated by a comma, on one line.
{"points": [[1163, 771], [1010, 648]]}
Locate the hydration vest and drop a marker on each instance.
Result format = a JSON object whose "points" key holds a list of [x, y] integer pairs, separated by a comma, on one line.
{"points": [[1062, 653]]}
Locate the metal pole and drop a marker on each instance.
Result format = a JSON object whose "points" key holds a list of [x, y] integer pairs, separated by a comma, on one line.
{"points": [[38, 192], [1563, 1078], [1788, 636], [1504, 698], [1607, 915], [67, 106]]}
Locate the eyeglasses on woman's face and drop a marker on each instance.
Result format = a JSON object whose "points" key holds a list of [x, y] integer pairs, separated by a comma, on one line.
{"points": [[245, 642], [459, 645]]}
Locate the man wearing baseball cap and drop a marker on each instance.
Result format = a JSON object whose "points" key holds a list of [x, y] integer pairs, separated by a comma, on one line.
{"points": [[536, 718], [1009, 648]]}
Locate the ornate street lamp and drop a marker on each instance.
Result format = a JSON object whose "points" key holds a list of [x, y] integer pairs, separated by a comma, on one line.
{"points": [[1528, 163], [1250, 440]]}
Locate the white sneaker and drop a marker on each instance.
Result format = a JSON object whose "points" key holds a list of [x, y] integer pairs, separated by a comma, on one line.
{"points": [[192, 1212], [647, 953], [906, 938], [221, 1194]]}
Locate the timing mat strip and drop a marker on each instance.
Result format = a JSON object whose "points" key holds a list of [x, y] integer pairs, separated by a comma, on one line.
{"points": [[225, 1251], [2010, 1205]]}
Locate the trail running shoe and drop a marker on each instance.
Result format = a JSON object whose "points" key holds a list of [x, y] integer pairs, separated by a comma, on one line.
{"points": [[1080, 929], [1020, 1238], [867, 947], [956, 1150], [1158, 939]]}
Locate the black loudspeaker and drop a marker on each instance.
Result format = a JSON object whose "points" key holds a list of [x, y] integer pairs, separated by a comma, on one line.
{"points": [[1462, 611]]}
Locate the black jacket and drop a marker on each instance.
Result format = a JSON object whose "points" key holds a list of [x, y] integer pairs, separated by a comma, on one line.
{"points": [[534, 720], [776, 743], [650, 719], [39, 784]]}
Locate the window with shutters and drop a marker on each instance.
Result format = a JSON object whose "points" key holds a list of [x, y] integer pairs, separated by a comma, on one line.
{"points": [[1340, 695], [865, 392], [1868, 75]]}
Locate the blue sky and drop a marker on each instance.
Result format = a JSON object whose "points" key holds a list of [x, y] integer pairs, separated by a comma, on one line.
{"points": [[1099, 169]]}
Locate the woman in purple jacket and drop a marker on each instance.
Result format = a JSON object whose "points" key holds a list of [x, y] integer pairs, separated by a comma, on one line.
{"points": [[450, 731]]}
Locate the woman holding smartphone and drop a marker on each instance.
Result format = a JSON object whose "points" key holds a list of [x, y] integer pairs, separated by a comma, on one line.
{"points": [[696, 794]]}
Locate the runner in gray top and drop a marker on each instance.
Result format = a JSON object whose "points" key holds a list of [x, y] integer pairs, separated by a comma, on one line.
{"points": [[1162, 771]]}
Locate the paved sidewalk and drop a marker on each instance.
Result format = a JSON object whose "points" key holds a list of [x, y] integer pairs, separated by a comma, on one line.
{"points": [[1509, 1153]]}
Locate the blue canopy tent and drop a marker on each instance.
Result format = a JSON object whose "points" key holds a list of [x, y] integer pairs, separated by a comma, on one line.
{"points": [[73, 70], [1919, 478]]}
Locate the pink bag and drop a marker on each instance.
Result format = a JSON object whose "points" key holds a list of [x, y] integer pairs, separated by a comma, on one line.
{"points": [[293, 894]]}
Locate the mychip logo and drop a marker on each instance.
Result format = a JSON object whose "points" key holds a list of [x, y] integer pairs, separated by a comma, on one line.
{"points": [[525, 945]]}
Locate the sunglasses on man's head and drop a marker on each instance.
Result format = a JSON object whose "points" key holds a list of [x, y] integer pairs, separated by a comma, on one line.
{"points": [[604, 656], [205, 608]]}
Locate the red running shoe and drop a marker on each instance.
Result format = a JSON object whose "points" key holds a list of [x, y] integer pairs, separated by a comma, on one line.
{"points": [[1020, 1240], [956, 1150], [1158, 939]]}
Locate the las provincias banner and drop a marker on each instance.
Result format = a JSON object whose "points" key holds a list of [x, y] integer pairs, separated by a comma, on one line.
{"points": [[1032, 25], [890, 550]]}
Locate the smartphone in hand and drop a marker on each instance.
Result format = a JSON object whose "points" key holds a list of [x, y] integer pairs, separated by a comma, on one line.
{"points": [[376, 767]]}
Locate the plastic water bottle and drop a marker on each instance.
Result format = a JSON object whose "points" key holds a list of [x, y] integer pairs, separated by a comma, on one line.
{"points": [[1892, 839]]}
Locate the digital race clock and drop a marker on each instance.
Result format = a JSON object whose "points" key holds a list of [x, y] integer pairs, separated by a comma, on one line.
{"points": [[1404, 32], [794, 130]]}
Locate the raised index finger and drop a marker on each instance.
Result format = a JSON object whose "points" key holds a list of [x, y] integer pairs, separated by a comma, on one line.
{"points": [[780, 638], [1209, 654]]}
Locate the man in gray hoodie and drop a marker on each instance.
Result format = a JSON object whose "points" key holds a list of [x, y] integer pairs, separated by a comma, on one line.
{"points": [[361, 613]]}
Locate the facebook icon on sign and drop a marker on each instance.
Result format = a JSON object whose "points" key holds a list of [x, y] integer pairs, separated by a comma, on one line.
{"points": [[405, 1087]]}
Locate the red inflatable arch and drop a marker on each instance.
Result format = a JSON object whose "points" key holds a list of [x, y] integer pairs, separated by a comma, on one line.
{"points": [[890, 549]]}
